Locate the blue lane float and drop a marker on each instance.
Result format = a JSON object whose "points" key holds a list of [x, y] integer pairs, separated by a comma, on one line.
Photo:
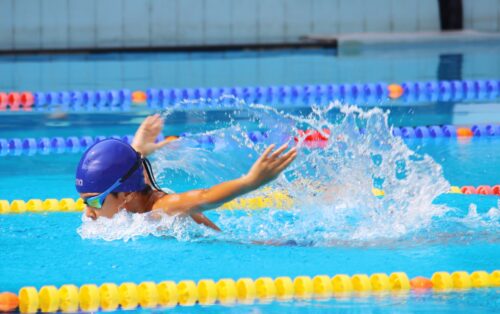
{"points": [[83, 100], [371, 93], [46, 145]]}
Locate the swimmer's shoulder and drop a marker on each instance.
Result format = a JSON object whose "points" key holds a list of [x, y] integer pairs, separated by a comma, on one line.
{"points": [[162, 200]]}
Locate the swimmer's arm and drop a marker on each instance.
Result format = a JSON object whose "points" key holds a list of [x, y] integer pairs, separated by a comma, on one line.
{"points": [[199, 218], [265, 169]]}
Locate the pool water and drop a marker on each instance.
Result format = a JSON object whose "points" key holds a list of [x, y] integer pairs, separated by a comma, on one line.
{"points": [[412, 229]]}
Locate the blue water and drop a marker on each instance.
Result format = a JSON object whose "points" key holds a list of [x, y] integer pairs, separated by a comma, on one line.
{"points": [[41, 249]]}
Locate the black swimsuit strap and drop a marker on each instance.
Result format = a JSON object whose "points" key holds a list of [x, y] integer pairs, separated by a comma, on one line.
{"points": [[149, 171]]}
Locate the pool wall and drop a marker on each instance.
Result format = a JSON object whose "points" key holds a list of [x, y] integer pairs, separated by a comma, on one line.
{"points": [[70, 24]]}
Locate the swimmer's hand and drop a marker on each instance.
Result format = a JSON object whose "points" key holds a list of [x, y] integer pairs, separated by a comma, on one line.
{"points": [[269, 165], [144, 138]]}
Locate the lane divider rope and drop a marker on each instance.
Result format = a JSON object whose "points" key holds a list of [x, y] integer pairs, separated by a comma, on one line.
{"points": [[110, 100], [274, 199], [148, 294], [47, 145]]}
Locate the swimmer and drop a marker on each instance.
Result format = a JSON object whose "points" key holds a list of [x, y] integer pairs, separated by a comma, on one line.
{"points": [[113, 175]]}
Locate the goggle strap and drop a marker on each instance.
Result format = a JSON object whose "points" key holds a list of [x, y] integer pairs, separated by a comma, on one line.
{"points": [[132, 170]]}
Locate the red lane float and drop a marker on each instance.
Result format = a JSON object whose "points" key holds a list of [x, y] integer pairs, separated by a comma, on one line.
{"points": [[313, 138], [4, 100], [495, 190], [27, 100], [14, 101], [468, 189], [482, 189]]}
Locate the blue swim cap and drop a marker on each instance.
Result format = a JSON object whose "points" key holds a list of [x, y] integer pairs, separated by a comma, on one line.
{"points": [[104, 163]]}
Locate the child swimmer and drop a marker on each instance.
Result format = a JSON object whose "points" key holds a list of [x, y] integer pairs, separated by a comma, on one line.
{"points": [[113, 175]]}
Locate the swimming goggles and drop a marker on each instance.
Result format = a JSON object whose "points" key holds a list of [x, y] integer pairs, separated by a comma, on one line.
{"points": [[98, 201]]}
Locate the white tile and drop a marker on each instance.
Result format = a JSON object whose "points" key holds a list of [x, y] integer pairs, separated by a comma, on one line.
{"points": [[325, 16], [244, 72], [378, 15], [55, 24], [270, 71], [29, 75], [190, 22], [82, 23], [485, 15], [55, 75], [192, 72], [427, 69], [476, 67], [137, 72], [271, 21], [351, 16], [404, 69], [136, 23], [164, 22], [244, 22], [378, 70], [298, 19], [218, 21], [82, 74], [428, 16], [7, 25], [468, 12], [109, 74], [27, 24], [217, 71], [404, 16], [7, 77], [158, 69], [109, 23]]}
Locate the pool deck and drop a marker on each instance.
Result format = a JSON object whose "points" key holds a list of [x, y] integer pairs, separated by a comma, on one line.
{"points": [[351, 44]]}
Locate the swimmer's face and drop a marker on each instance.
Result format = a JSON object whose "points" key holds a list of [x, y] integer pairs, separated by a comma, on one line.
{"points": [[112, 204]]}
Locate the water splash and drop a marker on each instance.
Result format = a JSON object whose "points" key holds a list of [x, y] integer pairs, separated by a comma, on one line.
{"points": [[331, 186], [128, 226]]}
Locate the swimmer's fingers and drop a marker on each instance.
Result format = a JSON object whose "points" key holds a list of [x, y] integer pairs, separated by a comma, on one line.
{"points": [[162, 143], [278, 152], [290, 157], [278, 161], [266, 152], [156, 122], [156, 119]]}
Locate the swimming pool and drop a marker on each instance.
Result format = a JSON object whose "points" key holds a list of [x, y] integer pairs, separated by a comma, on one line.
{"points": [[355, 232]]}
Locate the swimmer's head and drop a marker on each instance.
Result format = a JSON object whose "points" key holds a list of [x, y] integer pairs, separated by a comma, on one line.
{"points": [[106, 162], [106, 169]]}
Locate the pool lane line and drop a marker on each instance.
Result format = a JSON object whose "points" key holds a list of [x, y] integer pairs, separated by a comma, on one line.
{"points": [[227, 291], [161, 98], [274, 199], [312, 138]]}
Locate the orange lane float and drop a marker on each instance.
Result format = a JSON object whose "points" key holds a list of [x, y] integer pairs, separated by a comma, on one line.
{"points": [[395, 91], [421, 283], [139, 97], [8, 302], [171, 138], [464, 132]]}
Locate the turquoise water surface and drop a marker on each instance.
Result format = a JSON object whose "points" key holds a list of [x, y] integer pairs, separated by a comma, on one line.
{"points": [[415, 228]]}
